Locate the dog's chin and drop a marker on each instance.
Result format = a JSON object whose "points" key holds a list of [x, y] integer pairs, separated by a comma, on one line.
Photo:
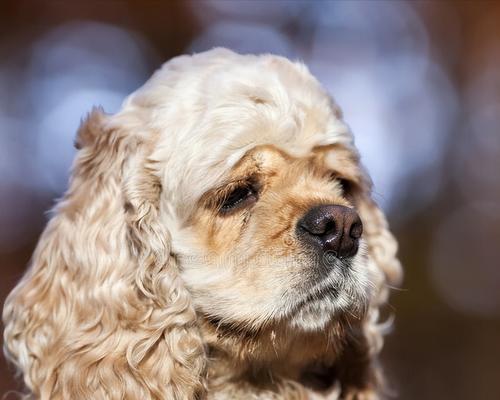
{"points": [[314, 316], [342, 294]]}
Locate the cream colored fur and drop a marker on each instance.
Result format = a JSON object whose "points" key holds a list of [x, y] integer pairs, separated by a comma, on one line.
{"points": [[122, 291]]}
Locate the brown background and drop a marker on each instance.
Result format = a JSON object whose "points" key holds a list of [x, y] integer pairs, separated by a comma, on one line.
{"points": [[446, 339]]}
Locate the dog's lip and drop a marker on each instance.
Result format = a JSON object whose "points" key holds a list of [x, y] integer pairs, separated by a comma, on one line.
{"points": [[322, 292], [317, 293]]}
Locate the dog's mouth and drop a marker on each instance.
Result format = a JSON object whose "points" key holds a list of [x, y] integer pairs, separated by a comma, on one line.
{"points": [[326, 280], [326, 292], [331, 287]]}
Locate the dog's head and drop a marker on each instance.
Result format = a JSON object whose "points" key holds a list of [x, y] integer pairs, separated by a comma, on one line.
{"points": [[227, 189]]}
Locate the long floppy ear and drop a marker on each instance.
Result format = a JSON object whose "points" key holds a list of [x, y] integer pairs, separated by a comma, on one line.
{"points": [[382, 246], [102, 312], [363, 347], [357, 366]]}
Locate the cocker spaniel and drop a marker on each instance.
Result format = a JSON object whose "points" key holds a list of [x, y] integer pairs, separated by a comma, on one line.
{"points": [[218, 240]]}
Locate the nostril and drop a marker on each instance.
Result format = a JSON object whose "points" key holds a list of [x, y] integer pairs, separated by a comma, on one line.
{"points": [[318, 223], [356, 230], [329, 228]]}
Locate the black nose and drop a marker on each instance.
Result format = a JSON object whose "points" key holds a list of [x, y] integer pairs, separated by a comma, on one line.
{"points": [[332, 228]]}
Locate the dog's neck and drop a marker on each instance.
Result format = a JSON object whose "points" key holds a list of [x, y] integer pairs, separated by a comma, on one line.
{"points": [[263, 359]]}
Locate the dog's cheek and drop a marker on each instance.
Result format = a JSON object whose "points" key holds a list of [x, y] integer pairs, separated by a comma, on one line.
{"points": [[217, 235]]}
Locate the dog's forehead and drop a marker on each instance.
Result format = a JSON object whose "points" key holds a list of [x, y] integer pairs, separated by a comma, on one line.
{"points": [[212, 108]]}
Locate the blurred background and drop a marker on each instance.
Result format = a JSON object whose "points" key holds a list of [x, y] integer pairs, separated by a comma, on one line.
{"points": [[419, 83]]}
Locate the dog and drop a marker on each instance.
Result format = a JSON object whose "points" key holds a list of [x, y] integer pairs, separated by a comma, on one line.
{"points": [[218, 240]]}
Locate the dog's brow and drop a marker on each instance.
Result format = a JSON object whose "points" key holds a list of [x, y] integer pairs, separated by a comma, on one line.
{"points": [[325, 148]]}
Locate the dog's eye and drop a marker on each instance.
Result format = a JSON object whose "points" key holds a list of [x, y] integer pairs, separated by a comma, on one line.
{"points": [[239, 197], [346, 186]]}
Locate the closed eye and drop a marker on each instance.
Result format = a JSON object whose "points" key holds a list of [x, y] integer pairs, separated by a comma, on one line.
{"points": [[240, 197], [346, 185]]}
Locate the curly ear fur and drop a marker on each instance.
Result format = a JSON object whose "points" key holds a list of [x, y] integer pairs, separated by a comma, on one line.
{"points": [[361, 350], [356, 368], [102, 312], [363, 344], [94, 318], [382, 246]]}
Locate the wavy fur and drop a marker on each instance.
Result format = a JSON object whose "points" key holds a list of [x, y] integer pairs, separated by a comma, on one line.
{"points": [[110, 310]]}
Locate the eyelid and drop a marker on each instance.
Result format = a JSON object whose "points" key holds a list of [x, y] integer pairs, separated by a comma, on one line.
{"points": [[346, 184], [222, 193], [334, 176], [225, 189], [245, 195]]}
